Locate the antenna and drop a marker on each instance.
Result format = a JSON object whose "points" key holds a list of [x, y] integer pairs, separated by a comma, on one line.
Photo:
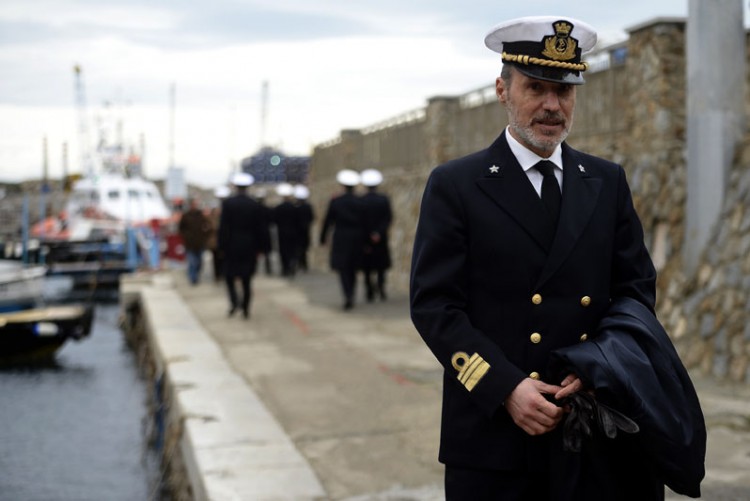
{"points": [[172, 99], [232, 137], [263, 112]]}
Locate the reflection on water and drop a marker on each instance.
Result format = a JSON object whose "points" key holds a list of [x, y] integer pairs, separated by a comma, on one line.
{"points": [[74, 431]]}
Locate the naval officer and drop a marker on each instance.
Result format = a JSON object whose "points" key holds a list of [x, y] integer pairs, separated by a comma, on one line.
{"points": [[345, 218], [519, 250], [242, 238]]}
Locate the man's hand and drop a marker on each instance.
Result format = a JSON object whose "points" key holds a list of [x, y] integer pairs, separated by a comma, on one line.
{"points": [[570, 385], [529, 408]]}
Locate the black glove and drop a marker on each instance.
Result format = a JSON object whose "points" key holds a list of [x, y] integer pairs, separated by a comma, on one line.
{"points": [[586, 414]]}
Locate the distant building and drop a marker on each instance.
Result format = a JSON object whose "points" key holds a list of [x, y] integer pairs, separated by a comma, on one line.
{"points": [[270, 166]]}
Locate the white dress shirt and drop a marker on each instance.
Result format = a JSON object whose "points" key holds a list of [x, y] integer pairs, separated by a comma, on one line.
{"points": [[528, 159]]}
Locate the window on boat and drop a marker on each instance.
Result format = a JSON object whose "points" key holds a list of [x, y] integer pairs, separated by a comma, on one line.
{"points": [[113, 195], [134, 194]]}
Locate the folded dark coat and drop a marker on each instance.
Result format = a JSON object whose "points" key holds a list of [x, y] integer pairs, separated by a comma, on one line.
{"points": [[634, 368]]}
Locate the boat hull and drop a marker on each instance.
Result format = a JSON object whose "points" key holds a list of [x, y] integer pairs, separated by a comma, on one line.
{"points": [[35, 335]]}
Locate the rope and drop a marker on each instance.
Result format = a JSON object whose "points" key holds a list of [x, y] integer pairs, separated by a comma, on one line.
{"points": [[527, 60]]}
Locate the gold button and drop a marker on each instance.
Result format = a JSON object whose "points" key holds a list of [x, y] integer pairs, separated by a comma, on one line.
{"points": [[585, 301], [584, 336], [536, 338], [536, 299], [535, 375]]}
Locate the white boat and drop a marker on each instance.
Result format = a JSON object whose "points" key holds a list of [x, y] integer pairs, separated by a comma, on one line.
{"points": [[21, 286], [104, 206]]}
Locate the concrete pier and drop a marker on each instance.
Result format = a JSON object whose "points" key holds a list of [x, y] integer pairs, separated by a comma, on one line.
{"points": [[304, 401]]}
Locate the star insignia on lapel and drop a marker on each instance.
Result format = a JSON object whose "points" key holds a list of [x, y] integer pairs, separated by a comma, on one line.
{"points": [[581, 168], [494, 169]]}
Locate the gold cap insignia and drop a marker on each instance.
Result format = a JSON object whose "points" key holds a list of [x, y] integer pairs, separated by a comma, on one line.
{"points": [[470, 369], [560, 46]]}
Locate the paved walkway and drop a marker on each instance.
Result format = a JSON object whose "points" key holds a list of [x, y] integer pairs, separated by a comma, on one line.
{"points": [[358, 392]]}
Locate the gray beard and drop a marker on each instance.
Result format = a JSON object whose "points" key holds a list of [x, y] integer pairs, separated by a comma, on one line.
{"points": [[527, 135]]}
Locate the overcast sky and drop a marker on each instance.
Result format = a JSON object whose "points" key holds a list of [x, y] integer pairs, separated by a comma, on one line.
{"points": [[329, 64]]}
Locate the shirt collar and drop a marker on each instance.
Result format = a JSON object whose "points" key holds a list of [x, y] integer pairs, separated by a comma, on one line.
{"points": [[527, 158]]}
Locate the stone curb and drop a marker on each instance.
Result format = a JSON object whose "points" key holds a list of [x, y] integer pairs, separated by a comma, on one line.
{"points": [[232, 447]]}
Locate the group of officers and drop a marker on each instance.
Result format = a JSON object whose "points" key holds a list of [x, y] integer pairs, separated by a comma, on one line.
{"points": [[359, 224], [242, 230]]}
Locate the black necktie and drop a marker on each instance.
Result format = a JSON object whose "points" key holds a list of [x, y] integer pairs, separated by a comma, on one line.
{"points": [[550, 189]]}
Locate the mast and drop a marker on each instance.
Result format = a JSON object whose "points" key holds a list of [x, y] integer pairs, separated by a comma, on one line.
{"points": [[83, 133]]}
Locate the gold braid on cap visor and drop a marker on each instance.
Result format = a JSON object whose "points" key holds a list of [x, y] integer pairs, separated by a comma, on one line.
{"points": [[527, 60]]}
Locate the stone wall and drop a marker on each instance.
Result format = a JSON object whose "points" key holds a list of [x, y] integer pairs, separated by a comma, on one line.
{"points": [[631, 110]]}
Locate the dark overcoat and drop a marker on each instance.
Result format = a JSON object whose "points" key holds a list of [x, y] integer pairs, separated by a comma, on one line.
{"points": [[242, 234], [494, 289], [304, 219], [285, 217], [378, 217], [635, 369], [345, 217]]}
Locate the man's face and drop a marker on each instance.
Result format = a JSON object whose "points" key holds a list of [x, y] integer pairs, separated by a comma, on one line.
{"points": [[540, 113]]}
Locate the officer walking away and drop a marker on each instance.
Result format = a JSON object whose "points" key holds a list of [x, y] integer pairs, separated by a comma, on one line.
{"points": [[519, 250], [260, 197], [305, 217], [378, 216], [217, 258], [241, 239], [195, 230], [287, 234], [345, 216]]}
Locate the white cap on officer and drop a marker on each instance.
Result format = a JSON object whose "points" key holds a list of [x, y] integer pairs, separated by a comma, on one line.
{"points": [[284, 190], [301, 192], [371, 177], [544, 47], [243, 179], [348, 177]]}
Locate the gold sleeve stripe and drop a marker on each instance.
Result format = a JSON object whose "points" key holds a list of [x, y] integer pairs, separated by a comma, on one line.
{"points": [[473, 371]]}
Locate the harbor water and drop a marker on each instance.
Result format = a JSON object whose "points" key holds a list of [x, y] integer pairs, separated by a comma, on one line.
{"points": [[77, 429]]}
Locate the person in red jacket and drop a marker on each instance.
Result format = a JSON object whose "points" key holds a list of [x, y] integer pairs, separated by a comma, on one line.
{"points": [[195, 230]]}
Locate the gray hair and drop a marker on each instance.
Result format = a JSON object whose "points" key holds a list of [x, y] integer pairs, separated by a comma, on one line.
{"points": [[506, 74]]}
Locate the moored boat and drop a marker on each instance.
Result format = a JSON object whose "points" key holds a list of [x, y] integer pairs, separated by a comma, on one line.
{"points": [[35, 335], [21, 287]]}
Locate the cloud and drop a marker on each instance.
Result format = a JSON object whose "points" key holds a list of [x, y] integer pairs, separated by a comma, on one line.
{"points": [[330, 64]]}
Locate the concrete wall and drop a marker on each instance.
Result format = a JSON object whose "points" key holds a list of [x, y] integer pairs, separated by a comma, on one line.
{"points": [[631, 110]]}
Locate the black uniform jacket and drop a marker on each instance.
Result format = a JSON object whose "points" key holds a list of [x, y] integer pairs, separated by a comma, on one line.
{"points": [[493, 291], [243, 234], [378, 217], [285, 216], [635, 369], [345, 215]]}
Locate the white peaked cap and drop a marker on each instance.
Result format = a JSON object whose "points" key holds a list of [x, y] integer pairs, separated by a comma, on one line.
{"points": [[371, 177], [301, 192], [243, 179], [348, 177], [544, 47], [284, 190]]}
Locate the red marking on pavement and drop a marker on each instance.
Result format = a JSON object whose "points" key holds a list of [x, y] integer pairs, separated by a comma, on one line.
{"points": [[302, 326], [399, 378]]}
